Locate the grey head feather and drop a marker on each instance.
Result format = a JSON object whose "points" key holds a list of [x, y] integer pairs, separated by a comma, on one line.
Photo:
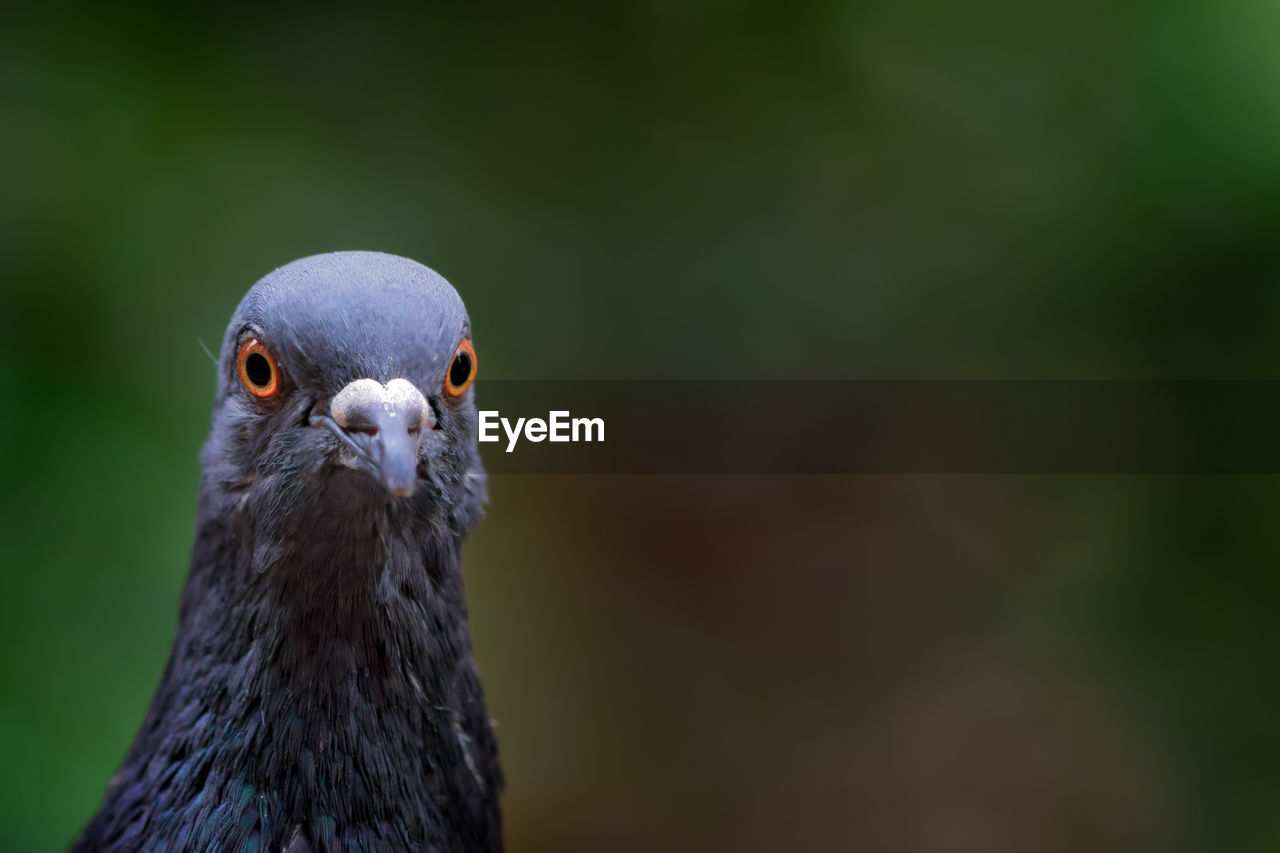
{"points": [[343, 316]]}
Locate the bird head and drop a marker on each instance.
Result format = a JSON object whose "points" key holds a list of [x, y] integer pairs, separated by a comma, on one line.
{"points": [[349, 375]]}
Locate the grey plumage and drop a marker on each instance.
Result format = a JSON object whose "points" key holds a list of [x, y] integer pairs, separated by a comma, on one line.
{"points": [[321, 693]]}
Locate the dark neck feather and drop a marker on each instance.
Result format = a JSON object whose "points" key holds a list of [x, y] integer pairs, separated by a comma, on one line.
{"points": [[326, 690]]}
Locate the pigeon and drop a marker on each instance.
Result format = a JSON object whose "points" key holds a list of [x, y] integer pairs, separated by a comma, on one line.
{"points": [[321, 692]]}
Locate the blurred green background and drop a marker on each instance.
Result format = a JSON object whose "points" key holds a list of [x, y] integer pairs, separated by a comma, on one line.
{"points": [[922, 189]]}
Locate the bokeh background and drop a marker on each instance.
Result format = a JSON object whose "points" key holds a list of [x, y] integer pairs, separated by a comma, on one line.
{"points": [[660, 189]]}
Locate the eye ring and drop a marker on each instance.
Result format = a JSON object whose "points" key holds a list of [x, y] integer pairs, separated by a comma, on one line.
{"points": [[259, 373], [462, 369]]}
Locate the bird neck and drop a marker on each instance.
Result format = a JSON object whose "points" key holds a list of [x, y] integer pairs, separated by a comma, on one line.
{"points": [[333, 589], [337, 680]]}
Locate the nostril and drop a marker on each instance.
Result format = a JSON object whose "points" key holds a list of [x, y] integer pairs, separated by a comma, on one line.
{"points": [[355, 422], [368, 407]]}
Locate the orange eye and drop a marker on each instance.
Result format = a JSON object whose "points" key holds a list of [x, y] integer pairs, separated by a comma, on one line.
{"points": [[258, 372], [462, 370]]}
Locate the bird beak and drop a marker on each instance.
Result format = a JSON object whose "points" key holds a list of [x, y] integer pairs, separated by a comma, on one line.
{"points": [[382, 425]]}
